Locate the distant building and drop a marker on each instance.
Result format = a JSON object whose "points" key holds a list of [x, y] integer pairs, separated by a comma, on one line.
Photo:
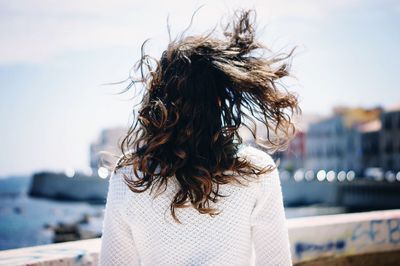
{"points": [[107, 144], [390, 140], [326, 144], [335, 143], [295, 155], [370, 144]]}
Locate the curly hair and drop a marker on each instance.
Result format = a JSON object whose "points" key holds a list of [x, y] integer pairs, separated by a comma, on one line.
{"points": [[197, 96]]}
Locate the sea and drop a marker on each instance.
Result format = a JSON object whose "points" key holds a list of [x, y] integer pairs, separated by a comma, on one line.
{"points": [[25, 221]]}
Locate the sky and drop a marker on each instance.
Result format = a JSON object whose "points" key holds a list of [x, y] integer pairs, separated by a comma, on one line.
{"points": [[55, 56]]}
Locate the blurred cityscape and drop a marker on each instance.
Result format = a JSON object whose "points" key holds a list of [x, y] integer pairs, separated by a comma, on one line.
{"points": [[353, 142], [349, 159]]}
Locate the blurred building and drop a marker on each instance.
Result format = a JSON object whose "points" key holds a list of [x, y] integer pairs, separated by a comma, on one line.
{"points": [[370, 144], [335, 143], [105, 150], [293, 158], [389, 137], [295, 155]]}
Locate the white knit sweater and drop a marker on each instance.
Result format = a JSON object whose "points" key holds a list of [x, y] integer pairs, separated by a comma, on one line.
{"points": [[250, 230]]}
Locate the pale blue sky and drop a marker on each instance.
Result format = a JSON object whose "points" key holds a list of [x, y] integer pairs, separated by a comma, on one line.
{"points": [[54, 55]]}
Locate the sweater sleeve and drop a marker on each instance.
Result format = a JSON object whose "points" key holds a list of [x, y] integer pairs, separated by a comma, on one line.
{"points": [[117, 243], [269, 229]]}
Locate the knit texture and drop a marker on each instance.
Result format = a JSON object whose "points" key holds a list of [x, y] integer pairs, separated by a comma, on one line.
{"points": [[250, 230]]}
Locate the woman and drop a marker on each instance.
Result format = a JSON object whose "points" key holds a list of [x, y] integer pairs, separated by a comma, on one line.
{"points": [[186, 190]]}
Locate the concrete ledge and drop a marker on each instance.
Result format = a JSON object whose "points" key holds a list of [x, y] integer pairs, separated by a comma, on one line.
{"points": [[369, 259], [351, 239], [82, 252], [344, 234]]}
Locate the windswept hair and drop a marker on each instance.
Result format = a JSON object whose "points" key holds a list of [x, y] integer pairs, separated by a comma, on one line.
{"points": [[196, 97]]}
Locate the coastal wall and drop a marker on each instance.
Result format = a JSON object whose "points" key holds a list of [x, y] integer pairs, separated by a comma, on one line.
{"points": [[314, 241], [358, 194], [78, 188]]}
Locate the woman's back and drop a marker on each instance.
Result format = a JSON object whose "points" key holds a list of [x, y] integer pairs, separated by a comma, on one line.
{"points": [[251, 228], [216, 205]]}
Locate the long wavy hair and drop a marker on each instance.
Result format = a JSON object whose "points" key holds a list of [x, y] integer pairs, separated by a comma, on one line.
{"points": [[197, 96]]}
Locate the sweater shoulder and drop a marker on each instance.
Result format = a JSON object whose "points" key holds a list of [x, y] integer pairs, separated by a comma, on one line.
{"points": [[268, 183], [256, 156], [117, 185]]}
